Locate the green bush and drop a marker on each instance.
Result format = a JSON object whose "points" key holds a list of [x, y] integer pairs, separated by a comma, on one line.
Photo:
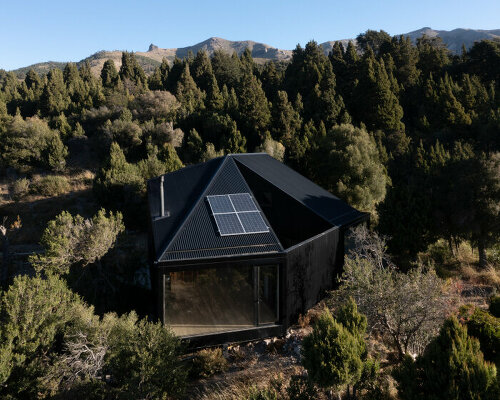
{"points": [[451, 367], [495, 306], [262, 394], [52, 185], [52, 345], [208, 362], [31, 143], [20, 188], [35, 314], [301, 388], [331, 354], [484, 327], [143, 358]]}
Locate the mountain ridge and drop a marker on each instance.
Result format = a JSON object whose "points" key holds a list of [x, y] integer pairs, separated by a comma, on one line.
{"points": [[261, 52]]}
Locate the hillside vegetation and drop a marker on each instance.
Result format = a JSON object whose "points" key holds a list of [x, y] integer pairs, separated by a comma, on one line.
{"points": [[409, 133]]}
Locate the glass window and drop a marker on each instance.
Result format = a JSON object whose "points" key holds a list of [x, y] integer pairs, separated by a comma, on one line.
{"points": [[268, 294], [221, 299]]}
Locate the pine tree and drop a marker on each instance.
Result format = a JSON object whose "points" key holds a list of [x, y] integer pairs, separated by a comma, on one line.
{"points": [[375, 103], [331, 354], [286, 121], [310, 73], [452, 367], [109, 75], [201, 70], [130, 70], [55, 98], [188, 94], [253, 109]]}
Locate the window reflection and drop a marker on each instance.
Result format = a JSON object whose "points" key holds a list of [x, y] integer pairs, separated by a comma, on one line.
{"points": [[220, 299]]}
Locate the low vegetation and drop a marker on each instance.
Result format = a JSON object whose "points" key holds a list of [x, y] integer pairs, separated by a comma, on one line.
{"points": [[407, 133]]}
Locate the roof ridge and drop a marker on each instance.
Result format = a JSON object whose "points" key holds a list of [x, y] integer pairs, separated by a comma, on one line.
{"points": [[288, 194], [258, 206], [195, 203]]}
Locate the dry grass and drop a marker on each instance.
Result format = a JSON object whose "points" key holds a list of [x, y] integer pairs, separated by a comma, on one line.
{"points": [[487, 276]]}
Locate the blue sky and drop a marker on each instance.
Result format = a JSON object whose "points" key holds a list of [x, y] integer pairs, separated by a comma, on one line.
{"points": [[34, 31]]}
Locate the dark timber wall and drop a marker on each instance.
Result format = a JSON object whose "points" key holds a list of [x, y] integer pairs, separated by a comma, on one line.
{"points": [[311, 270]]}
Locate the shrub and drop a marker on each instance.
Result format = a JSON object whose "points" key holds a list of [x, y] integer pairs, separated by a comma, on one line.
{"points": [[209, 362], [31, 143], [495, 306], [70, 240], [408, 307], [34, 314], [262, 394], [143, 358], [484, 327], [452, 367], [331, 354], [52, 185], [20, 188], [301, 388]]}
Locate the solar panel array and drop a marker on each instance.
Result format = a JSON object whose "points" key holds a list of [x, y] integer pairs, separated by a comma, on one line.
{"points": [[236, 214]]}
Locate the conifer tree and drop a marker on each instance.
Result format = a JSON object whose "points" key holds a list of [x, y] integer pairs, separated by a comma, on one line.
{"points": [[331, 354], [227, 68], [201, 70], [253, 109], [271, 80], [188, 94], [310, 73], [109, 75], [452, 367], [54, 99], [286, 121], [375, 103]]}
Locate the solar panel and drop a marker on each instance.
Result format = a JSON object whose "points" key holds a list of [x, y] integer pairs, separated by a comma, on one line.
{"points": [[253, 222], [220, 204], [228, 224], [236, 214], [243, 202]]}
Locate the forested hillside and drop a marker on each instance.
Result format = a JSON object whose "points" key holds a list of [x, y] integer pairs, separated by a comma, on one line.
{"points": [[409, 133]]}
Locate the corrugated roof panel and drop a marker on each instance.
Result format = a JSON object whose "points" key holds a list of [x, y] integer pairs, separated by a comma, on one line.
{"points": [[200, 231]]}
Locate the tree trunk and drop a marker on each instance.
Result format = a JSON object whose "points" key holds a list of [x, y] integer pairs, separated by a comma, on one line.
{"points": [[482, 254]]}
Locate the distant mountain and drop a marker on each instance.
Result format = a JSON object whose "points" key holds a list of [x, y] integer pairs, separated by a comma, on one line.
{"points": [[455, 38], [261, 52]]}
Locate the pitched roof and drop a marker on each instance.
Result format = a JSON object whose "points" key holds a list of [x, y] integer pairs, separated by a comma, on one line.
{"points": [[188, 231]]}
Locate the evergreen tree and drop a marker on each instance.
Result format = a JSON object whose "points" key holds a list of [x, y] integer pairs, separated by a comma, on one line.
{"points": [[271, 79], [452, 367], [253, 109], [188, 94], [109, 75], [286, 121], [433, 55], [331, 354], [376, 105], [227, 68], [377, 41], [131, 70], [201, 69], [347, 162], [310, 73], [55, 98]]}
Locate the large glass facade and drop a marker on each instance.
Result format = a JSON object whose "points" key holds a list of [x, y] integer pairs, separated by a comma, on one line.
{"points": [[221, 299]]}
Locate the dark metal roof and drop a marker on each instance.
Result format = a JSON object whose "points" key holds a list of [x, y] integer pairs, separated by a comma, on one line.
{"points": [[188, 231], [314, 197]]}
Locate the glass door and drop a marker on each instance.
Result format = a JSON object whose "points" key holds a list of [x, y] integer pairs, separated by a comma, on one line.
{"points": [[267, 294]]}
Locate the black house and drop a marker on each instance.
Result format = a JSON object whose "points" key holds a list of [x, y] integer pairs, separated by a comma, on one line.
{"points": [[241, 245]]}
